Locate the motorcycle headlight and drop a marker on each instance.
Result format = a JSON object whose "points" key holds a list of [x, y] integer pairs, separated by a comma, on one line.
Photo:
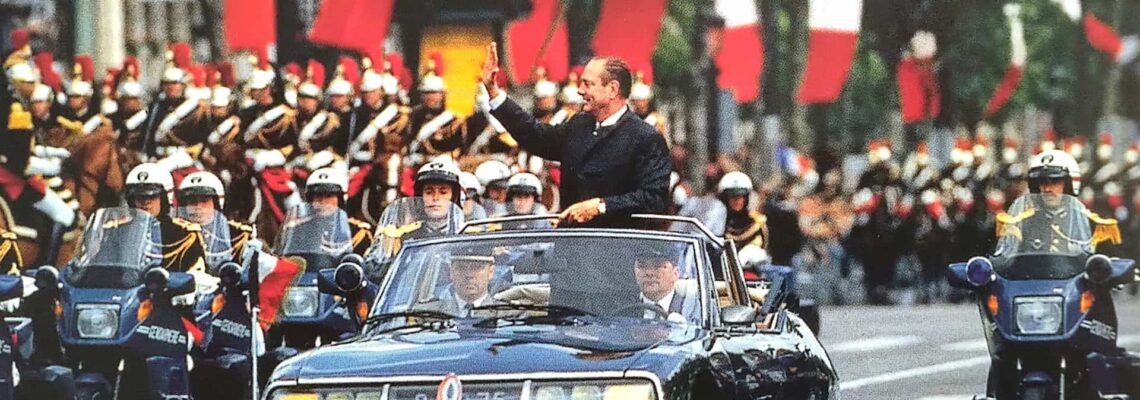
{"points": [[301, 302], [1038, 315], [97, 321], [597, 390]]}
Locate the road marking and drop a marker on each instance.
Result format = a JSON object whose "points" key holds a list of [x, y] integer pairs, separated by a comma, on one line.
{"points": [[967, 346], [915, 372], [874, 343]]}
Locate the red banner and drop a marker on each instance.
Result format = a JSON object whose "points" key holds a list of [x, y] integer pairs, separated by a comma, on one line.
{"points": [[628, 29], [525, 39], [359, 25], [250, 24]]}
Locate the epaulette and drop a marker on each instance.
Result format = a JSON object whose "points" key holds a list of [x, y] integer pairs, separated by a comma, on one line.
{"points": [[360, 224], [74, 126], [8, 235], [240, 226], [1007, 224], [18, 119], [484, 228], [394, 231], [187, 225], [758, 217], [1106, 229]]}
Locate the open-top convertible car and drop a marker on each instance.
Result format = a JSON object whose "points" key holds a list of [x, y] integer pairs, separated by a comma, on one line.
{"points": [[566, 314]]}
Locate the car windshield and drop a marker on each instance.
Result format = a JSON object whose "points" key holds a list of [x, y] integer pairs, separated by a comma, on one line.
{"points": [[320, 234], [1043, 236], [605, 276], [118, 245], [215, 233]]}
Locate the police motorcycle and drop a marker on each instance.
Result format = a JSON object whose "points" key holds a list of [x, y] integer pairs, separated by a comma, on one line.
{"points": [[16, 340], [117, 322], [759, 271], [1045, 302], [356, 282]]}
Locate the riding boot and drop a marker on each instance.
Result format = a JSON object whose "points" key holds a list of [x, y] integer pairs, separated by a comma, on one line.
{"points": [[61, 218], [49, 246]]}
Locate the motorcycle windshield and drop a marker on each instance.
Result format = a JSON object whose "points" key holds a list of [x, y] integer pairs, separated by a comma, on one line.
{"points": [[412, 218], [215, 233], [318, 233], [118, 245], [1043, 236]]}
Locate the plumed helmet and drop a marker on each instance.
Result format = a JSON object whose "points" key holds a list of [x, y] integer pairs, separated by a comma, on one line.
{"points": [[734, 183], [1051, 165], [439, 171], [149, 179], [203, 183], [493, 173], [524, 183], [333, 181]]}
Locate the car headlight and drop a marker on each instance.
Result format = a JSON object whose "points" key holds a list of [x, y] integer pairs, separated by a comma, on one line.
{"points": [[597, 390], [1040, 315], [97, 321], [301, 302]]}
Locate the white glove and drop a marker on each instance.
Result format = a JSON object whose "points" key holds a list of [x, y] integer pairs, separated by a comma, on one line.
{"points": [[51, 152], [42, 166]]}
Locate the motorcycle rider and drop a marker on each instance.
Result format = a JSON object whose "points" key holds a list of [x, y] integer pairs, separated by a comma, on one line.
{"points": [[493, 175], [326, 190], [201, 198], [524, 190], [472, 196], [743, 225], [149, 187], [437, 183]]}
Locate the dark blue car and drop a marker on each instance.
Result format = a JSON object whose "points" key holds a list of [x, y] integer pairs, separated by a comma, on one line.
{"points": [[568, 314]]}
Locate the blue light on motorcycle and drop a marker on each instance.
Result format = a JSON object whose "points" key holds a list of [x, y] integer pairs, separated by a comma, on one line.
{"points": [[1098, 269], [230, 274], [156, 280], [979, 271]]}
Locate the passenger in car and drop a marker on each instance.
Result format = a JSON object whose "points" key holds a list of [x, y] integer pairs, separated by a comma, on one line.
{"points": [[470, 285], [657, 277]]}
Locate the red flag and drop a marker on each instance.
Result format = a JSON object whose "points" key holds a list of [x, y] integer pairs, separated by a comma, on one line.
{"points": [[628, 29], [831, 48], [1017, 57], [276, 275], [919, 96], [1101, 36], [192, 329], [250, 24], [359, 25], [741, 56], [525, 39]]}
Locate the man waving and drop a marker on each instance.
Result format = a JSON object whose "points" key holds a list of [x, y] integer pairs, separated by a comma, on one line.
{"points": [[613, 163]]}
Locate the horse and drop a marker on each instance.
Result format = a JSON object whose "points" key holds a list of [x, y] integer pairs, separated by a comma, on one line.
{"points": [[373, 186], [266, 192], [27, 237], [98, 171]]}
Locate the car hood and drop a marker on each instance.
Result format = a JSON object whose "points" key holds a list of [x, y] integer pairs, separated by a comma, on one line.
{"points": [[467, 350]]}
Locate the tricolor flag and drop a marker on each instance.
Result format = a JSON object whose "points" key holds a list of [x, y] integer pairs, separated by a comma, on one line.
{"points": [[274, 276], [741, 56], [1017, 55], [1101, 36], [831, 48]]}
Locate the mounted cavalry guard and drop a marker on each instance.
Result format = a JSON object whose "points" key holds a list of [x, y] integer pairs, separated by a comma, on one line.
{"points": [[572, 102], [224, 122], [320, 129], [178, 114], [269, 123], [434, 129], [130, 116], [380, 121], [81, 106], [641, 103]]}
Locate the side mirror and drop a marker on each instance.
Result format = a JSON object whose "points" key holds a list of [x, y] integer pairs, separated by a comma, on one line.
{"points": [[1103, 271], [230, 274], [738, 315]]}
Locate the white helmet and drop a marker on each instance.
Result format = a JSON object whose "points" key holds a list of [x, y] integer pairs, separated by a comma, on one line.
{"points": [[432, 83], [80, 88], [1054, 164], [734, 183], [440, 171], [524, 183], [130, 89], [469, 182], [545, 88], [640, 91], [492, 173], [173, 75], [40, 94], [371, 81], [390, 85], [339, 87], [23, 72], [752, 255], [268, 158], [202, 183], [261, 79], [327, 181], [308, 89], [220, 97], [570, 95], [149, 179]]}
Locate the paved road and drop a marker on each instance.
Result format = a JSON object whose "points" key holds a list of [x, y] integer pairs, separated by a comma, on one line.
{"points": [[921, 352]]}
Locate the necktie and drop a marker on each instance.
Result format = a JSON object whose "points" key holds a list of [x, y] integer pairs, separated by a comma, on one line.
{"points": [[467, 310]]}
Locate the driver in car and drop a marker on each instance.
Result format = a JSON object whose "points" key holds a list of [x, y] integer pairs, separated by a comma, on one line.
{"points": [[470, 276], [1043, 223], [657, 277]]}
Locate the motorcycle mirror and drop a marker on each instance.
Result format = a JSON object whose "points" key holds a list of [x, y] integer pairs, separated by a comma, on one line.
{"points": [[156, 280], [349, 277], [46, 277], [352, 258], [979, 271], [1098, 269], [230, 274]]}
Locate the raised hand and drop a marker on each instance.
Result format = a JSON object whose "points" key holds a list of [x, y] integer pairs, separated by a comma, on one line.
{"points": [[490, 69]]}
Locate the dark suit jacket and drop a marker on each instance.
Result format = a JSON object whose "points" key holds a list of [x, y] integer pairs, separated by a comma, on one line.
{"points": [[626, 164]]}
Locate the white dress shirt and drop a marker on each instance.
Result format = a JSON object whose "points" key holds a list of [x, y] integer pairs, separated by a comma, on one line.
{"points": [[664, 303]]}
